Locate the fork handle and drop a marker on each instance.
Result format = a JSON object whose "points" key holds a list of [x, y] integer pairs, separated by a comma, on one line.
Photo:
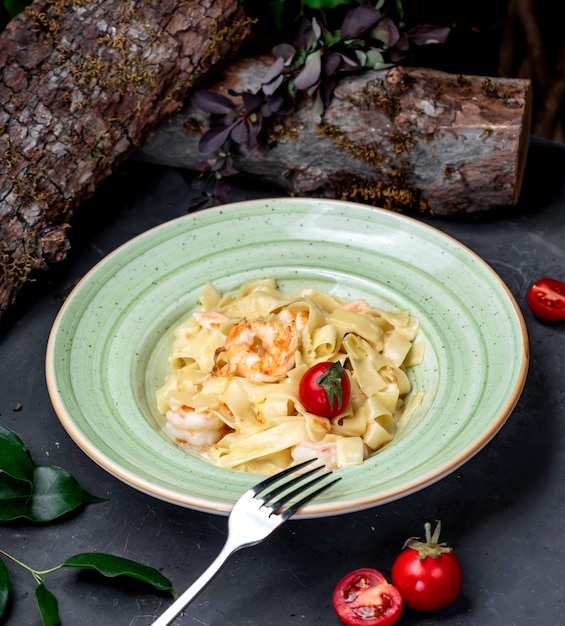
{"points": [[197, 586]]}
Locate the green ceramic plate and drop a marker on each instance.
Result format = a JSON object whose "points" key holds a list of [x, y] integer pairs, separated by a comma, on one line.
{"points": [[107, 352]]}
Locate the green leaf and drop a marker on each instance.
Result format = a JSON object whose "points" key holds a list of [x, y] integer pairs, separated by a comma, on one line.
{"points": [[55, 492], [110, 566], [12, 488], [15, 459], [276, 12], [325, 4], [361, 56], [400, 11], [15, 495], [4, 587], [15, 6], [38, 493], [48, 606], [375, 60]]}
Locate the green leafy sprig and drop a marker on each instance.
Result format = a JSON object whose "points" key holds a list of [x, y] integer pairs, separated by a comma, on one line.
{"points": [[44, 493], [39, 493], [106, 564]]}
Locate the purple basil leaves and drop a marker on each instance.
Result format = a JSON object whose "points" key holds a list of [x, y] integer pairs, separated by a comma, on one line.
{"points": [[228, 120], [369, 34], [427, 34], [358, 21], [309, 75]]}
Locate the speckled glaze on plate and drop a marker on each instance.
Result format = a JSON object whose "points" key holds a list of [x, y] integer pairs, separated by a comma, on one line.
{"points": [[107, 352]]}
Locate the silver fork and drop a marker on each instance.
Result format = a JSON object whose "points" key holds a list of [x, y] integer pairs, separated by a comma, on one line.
{"points": [[259, 511]]}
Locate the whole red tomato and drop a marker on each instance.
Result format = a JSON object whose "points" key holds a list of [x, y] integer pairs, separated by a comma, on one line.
{"points": [[427, 574], [546, 299], [364, 597], [325, 389]]}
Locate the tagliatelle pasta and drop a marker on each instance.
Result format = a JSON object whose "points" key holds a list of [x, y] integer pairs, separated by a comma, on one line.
{"points": [[232, 393]]}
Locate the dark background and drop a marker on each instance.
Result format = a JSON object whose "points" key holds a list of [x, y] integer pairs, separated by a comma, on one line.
{"points": [[503, 38]]}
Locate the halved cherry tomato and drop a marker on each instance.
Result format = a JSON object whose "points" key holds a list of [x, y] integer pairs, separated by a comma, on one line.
{"points": [[427, 574], [546, 299], [325, 389], [365, 598]]}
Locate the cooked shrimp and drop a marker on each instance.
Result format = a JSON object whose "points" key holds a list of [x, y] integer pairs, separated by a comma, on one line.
{"points": [[197, 429], [210, 319], [324, 451], [261, 351], [299, 318], [357, 306]]}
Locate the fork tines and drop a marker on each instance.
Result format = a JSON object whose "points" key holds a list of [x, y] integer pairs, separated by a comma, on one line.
{"points": [[265, 494]]}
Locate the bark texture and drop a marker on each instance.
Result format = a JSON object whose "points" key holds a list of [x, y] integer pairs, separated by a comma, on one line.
{"points": [[83, 83], [405, 138]]}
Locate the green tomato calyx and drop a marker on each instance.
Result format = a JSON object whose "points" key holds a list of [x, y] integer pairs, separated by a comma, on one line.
{"points": [[430, 547], [330, 381]]}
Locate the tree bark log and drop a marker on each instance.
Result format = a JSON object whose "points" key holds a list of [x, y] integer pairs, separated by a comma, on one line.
{"points": [[408, 139], [83, 83]]}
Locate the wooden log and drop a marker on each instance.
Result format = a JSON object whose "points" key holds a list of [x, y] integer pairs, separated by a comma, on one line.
{"points": [[83, 83], [407, 139]]}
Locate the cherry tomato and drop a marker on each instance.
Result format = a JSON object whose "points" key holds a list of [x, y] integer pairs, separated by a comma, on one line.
{"points": [[325, 389], [427, 574], [364, 597], [546, 298]]}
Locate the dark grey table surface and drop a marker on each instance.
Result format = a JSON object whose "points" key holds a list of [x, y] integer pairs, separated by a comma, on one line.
{"points": [[503, 511]]}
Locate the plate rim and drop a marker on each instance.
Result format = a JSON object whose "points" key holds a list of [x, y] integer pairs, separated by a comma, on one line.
{"points": [[313, 509]]}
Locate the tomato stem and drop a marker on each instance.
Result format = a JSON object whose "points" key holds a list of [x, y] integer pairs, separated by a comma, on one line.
{"points": [[430, 547], [330, 381]]}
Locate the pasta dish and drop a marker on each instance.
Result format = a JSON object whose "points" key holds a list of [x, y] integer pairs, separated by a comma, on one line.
{"points": [[236, 365]]}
